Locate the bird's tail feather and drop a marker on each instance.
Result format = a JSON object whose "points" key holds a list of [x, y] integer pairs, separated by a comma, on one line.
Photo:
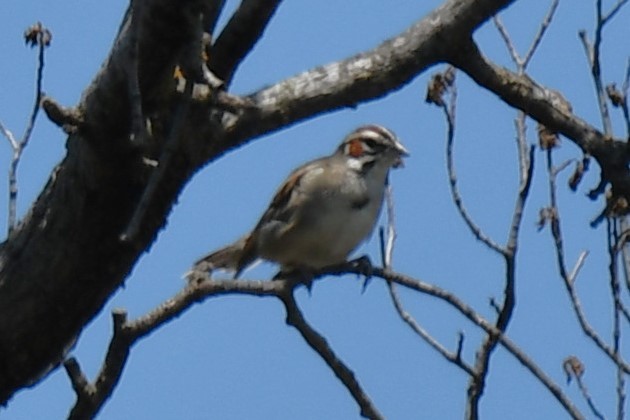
{"points": [[227, 258]]}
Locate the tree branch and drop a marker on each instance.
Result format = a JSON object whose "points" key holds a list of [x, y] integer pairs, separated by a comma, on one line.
{"points": [[550, 109], [36, 36], [453, 357], [320, 345], [242, 32]]}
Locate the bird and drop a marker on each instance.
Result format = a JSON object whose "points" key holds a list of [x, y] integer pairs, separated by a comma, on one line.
{"points": [[323, 210]]}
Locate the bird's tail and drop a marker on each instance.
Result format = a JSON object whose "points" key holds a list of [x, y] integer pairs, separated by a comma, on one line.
{"points": [[228, 258]]}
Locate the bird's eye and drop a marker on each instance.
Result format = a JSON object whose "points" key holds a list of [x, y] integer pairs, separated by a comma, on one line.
{"points": [[372, 147], [371, 143]]}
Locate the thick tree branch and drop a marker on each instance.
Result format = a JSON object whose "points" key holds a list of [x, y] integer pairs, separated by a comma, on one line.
{"points": [[366, 76], [550, 109], [240, 35], [47, 297]]}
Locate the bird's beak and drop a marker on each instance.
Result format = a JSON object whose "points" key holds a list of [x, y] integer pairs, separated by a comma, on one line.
{"points": [[402, 153]]}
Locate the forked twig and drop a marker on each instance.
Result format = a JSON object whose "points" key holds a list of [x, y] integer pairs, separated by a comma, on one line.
{"points": [[453, 357], [39, 36], [522, 62]]}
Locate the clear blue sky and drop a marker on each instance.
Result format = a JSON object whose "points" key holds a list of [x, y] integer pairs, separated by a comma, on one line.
{"points": [[234, 357]]}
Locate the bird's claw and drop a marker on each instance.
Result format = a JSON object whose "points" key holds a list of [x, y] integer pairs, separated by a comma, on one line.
{"points": [[364, 266], [298, 275]]}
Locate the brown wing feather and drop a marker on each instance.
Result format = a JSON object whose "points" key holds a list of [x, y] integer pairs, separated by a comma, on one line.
{"points": [[279, 209]]}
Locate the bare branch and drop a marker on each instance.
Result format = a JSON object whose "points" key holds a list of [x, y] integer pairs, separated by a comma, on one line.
{"points": [[91, 397], [574, 368], [489, 328], [9, 136], [527, 172], [453, 357], [615, 290], [624, 105], [578, 266], [127, 333], [320, 345], [80, 383], [569, 280], [507, 39], [522, 62], [242, 32], [391, 227], [606, 17], [449, 112], [593, 55], [544, 25], [39, 36]]}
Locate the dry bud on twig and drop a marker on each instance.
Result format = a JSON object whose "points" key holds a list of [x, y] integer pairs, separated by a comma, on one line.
{"points": [[581, 166], [546, 214], [439, 84], [617, 98], [573, 367], [37, 34], [547, 139]]}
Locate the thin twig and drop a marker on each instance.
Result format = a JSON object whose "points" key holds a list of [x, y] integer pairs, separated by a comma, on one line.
{"points": [[9, 136], [613, 11], [544, 25], [574, 368], [387, 246], [587, 397], [624, 103], [506, 308], [36, 35], [488, 327], [516, 58], [615, 290], [449, 112], [569, 280], [453, 357], [593, 56], [578, 266], [522, 62], [527, 173], [391, 227]]}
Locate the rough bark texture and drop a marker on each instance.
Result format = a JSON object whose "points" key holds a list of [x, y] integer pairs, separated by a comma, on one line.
{"points": [[66, 258]]}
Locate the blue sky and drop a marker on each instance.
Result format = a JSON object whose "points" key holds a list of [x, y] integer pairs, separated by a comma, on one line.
{"points": [[234, 357]]}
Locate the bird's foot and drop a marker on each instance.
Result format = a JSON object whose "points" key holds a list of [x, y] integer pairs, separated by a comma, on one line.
{"points": [[300, 275], [364, 266]]}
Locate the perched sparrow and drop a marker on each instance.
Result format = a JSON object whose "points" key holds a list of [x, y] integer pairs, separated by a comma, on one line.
{"points": [[323, 211]]}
